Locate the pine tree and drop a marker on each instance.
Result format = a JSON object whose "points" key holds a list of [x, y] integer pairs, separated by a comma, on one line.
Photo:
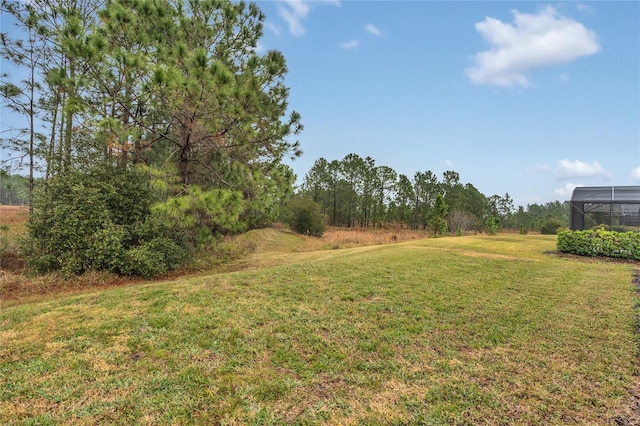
{"points": [[437, 221]]}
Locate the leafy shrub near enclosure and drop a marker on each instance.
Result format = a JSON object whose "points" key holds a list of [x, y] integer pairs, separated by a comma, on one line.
{"points": [[622, 245], [551, 226]]}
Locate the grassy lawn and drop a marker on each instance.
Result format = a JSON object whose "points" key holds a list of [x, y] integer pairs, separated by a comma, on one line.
{"points": [[460, 330]]}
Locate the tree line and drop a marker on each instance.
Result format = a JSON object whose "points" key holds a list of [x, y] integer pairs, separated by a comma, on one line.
{"points": [[355, 192], [14, 189]]}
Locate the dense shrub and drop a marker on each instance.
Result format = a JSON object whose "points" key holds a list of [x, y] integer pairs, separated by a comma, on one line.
{"points": [[551, 226], [105, 250], [304, 216], [100, 220], [600, 243]]}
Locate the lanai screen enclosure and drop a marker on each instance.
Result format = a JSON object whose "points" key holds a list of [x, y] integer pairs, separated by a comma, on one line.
{"points": [[617, 207]]}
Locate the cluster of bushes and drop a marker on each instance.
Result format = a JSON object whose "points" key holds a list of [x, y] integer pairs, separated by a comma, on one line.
{"points": [[112, 218], [623, 245], [100, 220]]}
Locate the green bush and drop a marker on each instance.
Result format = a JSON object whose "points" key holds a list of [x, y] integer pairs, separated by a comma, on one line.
{"points": [[172, 252], [551, 226], [105, 250], [43, 263], [100, 220], [304, 216], [600, 243], [143, 261]]}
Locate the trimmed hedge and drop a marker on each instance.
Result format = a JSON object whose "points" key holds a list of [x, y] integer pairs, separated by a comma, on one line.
{"points": [[621, 245]]}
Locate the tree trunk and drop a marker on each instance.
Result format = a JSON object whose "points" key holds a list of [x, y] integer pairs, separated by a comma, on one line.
{"points": [[185, 152], [51, 151], [31, 131], [69, 120]]}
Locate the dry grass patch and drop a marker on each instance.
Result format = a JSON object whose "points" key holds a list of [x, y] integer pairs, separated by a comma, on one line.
{"points": [[334, 238], [13, 215], [13, 221]]}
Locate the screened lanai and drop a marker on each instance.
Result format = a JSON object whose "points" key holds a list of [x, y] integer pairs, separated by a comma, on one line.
{"points": [[617, 207]]}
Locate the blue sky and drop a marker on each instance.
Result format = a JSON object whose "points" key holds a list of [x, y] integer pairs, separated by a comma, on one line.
{"points": [[526, 98]]}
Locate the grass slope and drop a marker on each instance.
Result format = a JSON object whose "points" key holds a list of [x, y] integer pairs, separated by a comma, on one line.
{"points": [[467, 330]]}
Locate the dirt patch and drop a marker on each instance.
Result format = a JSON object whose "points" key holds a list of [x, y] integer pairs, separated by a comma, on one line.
{"points": [[592, 258], [10, 261], [630, 415], [17, 288], [636, 284]]}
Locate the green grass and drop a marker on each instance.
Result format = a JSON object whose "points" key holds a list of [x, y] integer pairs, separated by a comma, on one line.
{"points": [[464, 330]]}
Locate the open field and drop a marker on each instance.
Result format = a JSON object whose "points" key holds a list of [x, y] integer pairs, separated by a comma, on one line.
{"points": [[461, 330]]}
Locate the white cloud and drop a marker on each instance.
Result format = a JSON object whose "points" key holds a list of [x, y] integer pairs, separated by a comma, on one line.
{"points": [[577, 169], [295, 11], [529, 43], [566, 191], [350, 44], [373, 30], [299, 7], [259, 49], [449, 164], [584, 8], [272, 27], [635, 174]]}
